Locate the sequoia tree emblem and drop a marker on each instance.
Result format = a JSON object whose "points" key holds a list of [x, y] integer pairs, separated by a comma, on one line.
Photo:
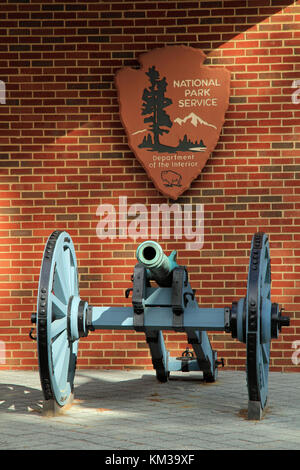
{"points": [[154, 104]]}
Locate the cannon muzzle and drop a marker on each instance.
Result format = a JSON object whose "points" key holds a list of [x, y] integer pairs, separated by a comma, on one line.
{"points": [[159, 266]]}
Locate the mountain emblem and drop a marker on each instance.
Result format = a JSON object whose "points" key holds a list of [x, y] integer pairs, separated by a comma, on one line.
{"points": [[173, 109], [194, 120]]}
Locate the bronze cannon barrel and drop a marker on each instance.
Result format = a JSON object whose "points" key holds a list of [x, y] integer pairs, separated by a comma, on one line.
{"points": [[159, 266]]}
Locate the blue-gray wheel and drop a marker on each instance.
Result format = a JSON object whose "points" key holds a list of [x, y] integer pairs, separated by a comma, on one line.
{"points": [[58, 323], [258, 324]]}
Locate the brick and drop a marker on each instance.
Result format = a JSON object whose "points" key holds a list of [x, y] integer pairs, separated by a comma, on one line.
{"points": [[63, 151]]}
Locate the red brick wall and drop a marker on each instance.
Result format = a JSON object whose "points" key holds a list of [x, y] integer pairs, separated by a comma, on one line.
{"points": [[63, 152]]}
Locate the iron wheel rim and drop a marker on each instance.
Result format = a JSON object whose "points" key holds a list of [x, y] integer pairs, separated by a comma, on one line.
{"points": [[258, 295]]}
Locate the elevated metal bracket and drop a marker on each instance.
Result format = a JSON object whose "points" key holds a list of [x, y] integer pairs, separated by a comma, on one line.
{"points": [[227, 319], [138, 296], [178, 300]]}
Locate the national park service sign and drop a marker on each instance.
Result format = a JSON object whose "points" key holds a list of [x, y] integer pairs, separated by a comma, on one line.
{"points": [[173, 109]]}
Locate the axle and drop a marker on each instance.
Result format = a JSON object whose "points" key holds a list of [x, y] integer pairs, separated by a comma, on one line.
{"points": [[122, 318]]}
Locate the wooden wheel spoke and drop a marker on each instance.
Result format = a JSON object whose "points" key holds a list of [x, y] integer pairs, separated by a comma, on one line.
{"points": [[57, 327], [59, 309]]}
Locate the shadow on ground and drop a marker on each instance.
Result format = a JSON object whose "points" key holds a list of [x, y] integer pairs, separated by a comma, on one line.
{"points": [[25, 399]]}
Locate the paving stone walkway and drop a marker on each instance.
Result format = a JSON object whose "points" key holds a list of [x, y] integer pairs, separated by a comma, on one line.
{"points": [[130, 410]]}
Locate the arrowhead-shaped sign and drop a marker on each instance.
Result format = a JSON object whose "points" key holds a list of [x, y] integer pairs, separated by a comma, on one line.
{"points": [[173, 109]]}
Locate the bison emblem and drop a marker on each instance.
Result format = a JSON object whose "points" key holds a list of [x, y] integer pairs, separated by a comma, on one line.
{"points": [[171, 178]]}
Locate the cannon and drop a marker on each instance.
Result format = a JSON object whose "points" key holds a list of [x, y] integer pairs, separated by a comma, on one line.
{"points": [[161, 299]]}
